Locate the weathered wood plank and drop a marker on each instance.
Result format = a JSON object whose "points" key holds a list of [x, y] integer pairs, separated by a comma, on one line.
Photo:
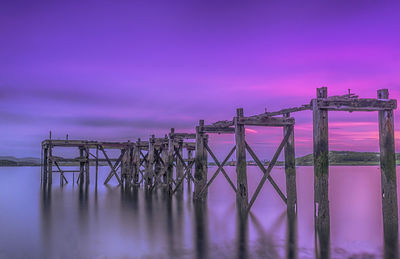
{"points": [[185, 135], [179, 165], [388, 180], [241, 164], [216, 129], [261, 120], [200, 173], [290, 170], [357, 104], [321, 175], [170, 166], [150, 164], [290, 110]]}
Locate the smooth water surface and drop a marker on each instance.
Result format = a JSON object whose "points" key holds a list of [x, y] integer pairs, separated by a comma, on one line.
{"points": [[70, 222]]}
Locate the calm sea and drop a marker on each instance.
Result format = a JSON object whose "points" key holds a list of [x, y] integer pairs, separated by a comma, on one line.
{"points": [[69, 222]]}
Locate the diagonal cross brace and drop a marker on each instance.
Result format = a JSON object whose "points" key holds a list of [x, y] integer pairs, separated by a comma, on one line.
{"points": [[220, 168], [183, 178], [186, 167], [269, 168], [61, 171], [113, 167], [269, 177]]}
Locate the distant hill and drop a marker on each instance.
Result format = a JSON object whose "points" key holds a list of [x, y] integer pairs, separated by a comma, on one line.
{"points": [[335, 158], [346, 158], [24, 161]]}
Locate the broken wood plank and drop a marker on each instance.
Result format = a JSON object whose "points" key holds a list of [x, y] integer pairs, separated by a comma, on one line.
{"points": [[261, 120]]}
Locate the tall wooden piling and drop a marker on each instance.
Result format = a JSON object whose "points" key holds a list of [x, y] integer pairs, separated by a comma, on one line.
{"points": [[45, 160], [164, 157], [200, 173], [179, 165], [189, 157], [97, 163], [170, 166], [81, 165], [388, 179], [290, 169], [241, 165], [136, 162], [150, 163], [50, 164], [321, 175], [87, 166]]}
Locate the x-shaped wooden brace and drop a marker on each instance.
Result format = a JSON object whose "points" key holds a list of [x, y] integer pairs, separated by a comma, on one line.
{"points": [[113, 167], [220, 169], [186, 168], [61, 171], [157, 156], [269, 169]]}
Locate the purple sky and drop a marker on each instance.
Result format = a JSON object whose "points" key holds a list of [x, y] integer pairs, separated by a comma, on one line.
{"points": [[114, 70]]}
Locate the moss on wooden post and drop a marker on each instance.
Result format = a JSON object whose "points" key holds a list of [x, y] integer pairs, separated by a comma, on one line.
{"points": [[321, 175], [241, 165], [388, 180]]}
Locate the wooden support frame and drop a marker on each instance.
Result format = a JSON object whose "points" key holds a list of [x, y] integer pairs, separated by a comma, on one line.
{"points": [[220, 168], [113, 167]]}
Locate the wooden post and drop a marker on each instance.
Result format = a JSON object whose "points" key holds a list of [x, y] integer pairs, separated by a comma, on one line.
{"points": [[290, 170], [189, 157], [81, 166], [321, 175], [45, 160], [171, 150], [241, 170], [200, 173], [130, 165], [179, 165], [388, 179], [123, 167], [50, 164], [87, 165], [150, 163], [164, 157], [136, 162], [97, 163]]}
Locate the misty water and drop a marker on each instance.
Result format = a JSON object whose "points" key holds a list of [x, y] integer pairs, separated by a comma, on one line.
{"points": [[70, 222]]}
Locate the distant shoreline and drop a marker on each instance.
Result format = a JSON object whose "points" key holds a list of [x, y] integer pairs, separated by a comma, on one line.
{"points": [[336, 158]]}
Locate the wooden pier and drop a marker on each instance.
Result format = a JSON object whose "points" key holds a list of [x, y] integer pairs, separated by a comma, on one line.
{"points": [[167, 161]]}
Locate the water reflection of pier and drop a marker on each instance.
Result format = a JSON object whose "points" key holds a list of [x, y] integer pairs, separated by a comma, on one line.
{"points": [[160, 164]]}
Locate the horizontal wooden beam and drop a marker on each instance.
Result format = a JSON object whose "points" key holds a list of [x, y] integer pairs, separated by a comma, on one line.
{"points": [[223, 124], [87, 144], [184, 135], [217, 129], [262, 120], [354, 104], [290, 110]]}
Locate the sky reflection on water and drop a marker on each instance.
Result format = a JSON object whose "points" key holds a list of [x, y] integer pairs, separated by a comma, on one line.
{"points": [[71, 222]]}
